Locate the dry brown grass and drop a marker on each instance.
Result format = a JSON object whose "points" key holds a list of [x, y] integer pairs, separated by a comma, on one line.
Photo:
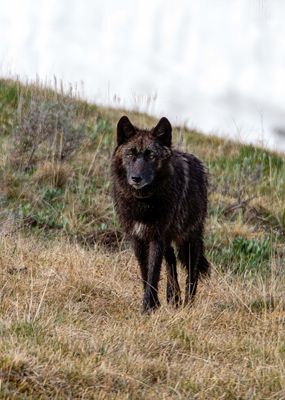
{"points": [[70, 313], [53, 174], [71, 327]]}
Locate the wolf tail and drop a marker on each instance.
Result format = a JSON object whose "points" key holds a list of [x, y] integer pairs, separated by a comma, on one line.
{"points": [[204, 267]]}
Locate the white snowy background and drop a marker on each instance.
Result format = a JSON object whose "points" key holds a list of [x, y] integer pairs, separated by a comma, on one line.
{"points": [[217, 65]]}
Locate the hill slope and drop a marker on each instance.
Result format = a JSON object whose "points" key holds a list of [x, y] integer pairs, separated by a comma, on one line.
{"points": [[70, 323]]}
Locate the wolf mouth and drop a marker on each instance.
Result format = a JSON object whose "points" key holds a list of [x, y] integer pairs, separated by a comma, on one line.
{"points": [[143, 196], [139, 186], [143, 192]]}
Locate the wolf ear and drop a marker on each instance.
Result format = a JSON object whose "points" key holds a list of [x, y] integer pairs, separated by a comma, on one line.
{"points": [[125, 130], [162, 132]]}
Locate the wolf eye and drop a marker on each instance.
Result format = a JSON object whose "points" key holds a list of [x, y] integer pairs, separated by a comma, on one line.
{"points": [[149, 155], [130, 155], [130, 152]]}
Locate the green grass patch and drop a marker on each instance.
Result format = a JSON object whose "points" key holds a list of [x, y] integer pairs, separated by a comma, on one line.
{"points": [[55, 175]]}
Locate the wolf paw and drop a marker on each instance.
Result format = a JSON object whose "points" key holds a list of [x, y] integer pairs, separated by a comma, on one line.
{"points": [[150, 304]]}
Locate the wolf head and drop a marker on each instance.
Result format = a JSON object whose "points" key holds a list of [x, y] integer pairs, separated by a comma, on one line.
{"points": [[143, 152]]}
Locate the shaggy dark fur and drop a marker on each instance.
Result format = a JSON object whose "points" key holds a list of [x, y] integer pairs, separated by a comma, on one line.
{"points": [[160, 195]]}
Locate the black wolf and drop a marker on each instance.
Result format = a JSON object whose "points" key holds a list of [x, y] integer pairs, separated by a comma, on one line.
{"points": [[160, 195]]}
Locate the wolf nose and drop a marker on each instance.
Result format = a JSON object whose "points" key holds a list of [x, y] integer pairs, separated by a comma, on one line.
{"points": [[136, 179]]}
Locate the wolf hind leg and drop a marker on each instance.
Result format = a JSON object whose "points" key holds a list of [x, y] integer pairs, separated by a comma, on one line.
{"points": [[173, 294], [189, 254]]}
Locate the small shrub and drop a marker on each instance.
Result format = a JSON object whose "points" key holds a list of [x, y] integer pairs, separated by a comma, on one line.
{"points": [[47, 130]]}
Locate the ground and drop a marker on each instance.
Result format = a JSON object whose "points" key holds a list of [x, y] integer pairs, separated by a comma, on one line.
{"points": [[70, 315]]}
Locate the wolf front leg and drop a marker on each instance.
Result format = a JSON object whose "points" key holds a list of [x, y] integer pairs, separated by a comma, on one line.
{"points": [[155, 255], [141, 252]]}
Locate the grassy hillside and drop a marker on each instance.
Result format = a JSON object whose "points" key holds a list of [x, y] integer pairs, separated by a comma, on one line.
{"points": [[70, 324]]}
